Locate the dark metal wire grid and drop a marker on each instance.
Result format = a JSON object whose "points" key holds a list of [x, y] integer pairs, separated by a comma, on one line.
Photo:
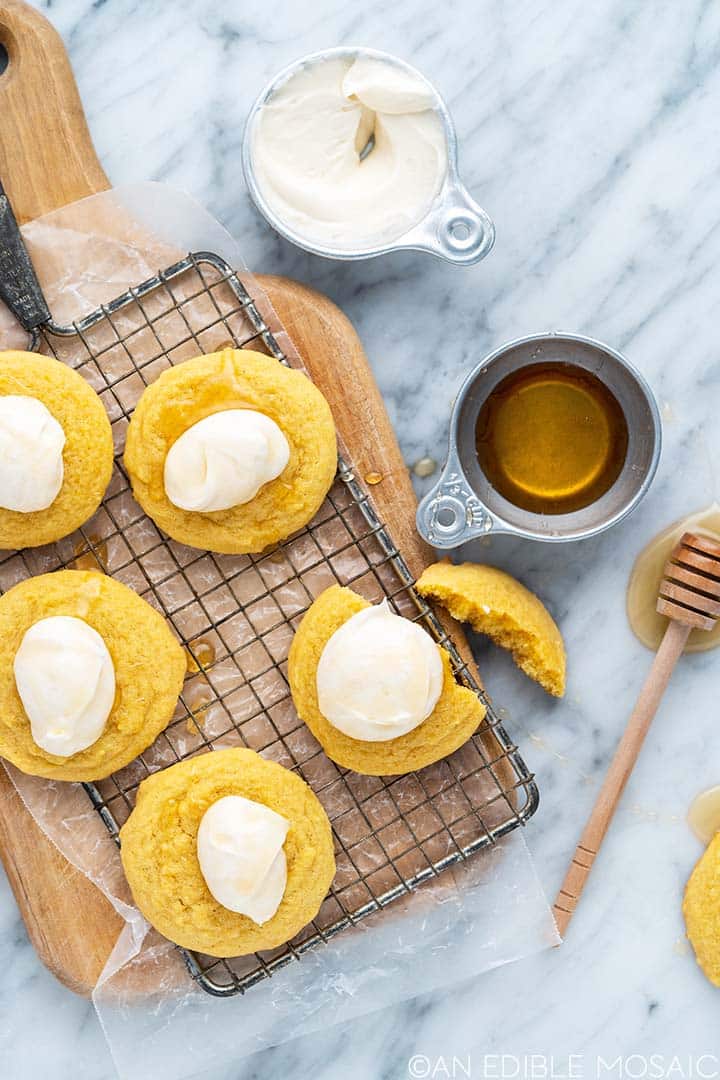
{"points": [[235, 616]]}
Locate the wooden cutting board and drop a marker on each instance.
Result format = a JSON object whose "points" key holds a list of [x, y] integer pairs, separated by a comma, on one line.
{"points": [[47, 160]]}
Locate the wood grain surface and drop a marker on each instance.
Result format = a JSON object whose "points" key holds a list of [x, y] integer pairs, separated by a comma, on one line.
{"points": [[46, 161], [47, 158]]}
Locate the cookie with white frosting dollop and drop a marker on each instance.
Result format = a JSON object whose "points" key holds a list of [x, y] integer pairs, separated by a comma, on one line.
{"points": [[432, 722], [56, 450], [232, 451], [90, 675], [187, 872]]}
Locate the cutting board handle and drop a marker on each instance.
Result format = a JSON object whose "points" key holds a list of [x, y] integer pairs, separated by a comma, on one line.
{"points": [[47, 158]]}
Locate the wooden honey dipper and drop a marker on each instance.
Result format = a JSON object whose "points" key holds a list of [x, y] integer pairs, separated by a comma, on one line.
{"points": [[689, 596]]}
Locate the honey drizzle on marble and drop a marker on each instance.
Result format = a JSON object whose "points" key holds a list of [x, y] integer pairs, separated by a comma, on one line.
{"points": [[703, 817], [647, 572]]}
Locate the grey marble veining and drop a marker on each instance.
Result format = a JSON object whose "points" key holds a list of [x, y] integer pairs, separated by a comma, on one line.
{"points": [[591, 135]]}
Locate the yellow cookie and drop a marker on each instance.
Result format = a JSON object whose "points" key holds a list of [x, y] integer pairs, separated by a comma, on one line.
{"points": [[87, 455], [701, 908], [450, 724], [234, 379], [159, 852], [494, 603], [149, 670]]}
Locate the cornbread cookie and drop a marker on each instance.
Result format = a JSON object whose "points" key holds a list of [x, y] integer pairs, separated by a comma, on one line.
{"points": [[159, 852], [450, 724], [494, 603], [701, 908], [149, 670], [234, 379], [87, 454]]}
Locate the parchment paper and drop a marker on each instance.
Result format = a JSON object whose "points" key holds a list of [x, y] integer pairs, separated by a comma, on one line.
{"points": [[474, 917]]}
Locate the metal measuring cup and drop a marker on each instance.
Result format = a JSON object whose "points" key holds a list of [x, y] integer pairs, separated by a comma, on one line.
{"points": [[464, 505], [455, 228]]}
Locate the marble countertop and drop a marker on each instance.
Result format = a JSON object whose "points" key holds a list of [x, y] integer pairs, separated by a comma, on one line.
{"points": [[590, 133]]}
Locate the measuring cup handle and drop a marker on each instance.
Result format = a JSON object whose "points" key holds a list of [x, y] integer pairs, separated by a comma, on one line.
{"points": [[451, 514], [458, 230]]}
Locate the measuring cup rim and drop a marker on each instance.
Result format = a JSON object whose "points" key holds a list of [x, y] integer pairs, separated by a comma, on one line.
{"points": [[549, 336], [349, 254]]}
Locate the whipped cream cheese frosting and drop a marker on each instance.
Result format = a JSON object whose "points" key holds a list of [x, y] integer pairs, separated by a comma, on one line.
{"points": [[241, 856], [31, 446], [308, 152], [224, 460], [379, 675], [66, 681]]}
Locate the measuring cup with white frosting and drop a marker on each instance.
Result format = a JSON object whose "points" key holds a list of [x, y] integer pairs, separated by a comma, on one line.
{"points": [[351, 153]]}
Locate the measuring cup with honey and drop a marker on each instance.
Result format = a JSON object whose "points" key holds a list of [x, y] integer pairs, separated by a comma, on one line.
{"points": [[553, 437]]}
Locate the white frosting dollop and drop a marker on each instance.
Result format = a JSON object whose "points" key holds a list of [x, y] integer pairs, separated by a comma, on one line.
{"points": [[31, 446], [66, 681], [224, 460], [379, 675], [240, 850], [312, 160], [386, 87]]}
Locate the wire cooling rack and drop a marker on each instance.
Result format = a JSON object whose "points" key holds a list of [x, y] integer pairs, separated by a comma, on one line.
{"points": [[236, 615]]}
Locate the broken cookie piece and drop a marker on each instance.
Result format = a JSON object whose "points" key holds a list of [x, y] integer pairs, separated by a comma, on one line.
{"points": [[497, 605]]}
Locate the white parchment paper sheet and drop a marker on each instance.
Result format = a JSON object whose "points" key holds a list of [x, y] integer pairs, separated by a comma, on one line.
{"points": [[475, 917]]}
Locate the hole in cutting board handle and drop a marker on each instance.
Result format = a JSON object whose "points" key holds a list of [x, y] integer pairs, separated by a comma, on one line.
{"points": [[4, 59]]}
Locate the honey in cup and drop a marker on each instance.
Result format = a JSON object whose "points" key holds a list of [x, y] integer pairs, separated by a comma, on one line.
{"points": [[551, 438]]}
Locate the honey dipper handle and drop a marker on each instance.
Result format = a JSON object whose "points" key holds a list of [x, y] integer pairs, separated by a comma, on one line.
{"points": [[617, 775]]}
